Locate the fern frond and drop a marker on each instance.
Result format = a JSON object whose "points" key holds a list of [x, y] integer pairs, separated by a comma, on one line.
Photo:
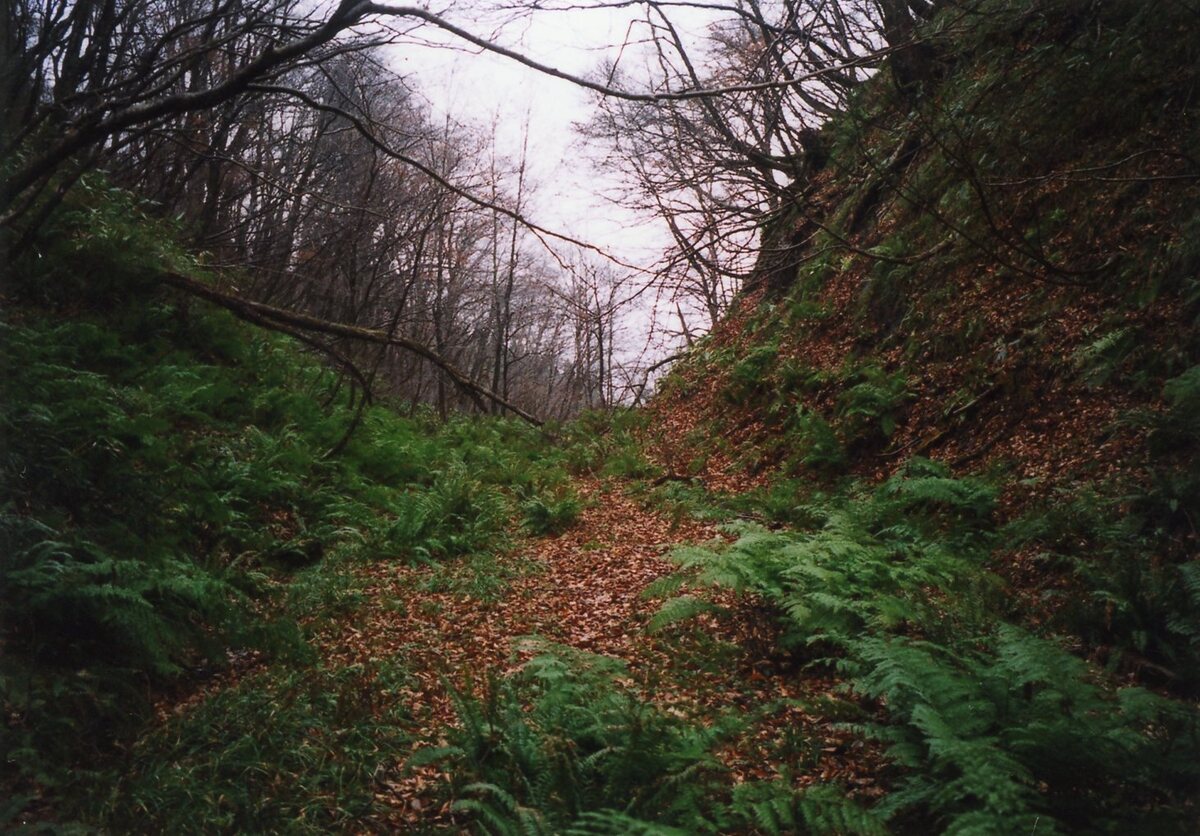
{"points": [[776, 808], [665, 586], [616, 823], [676, 610]]}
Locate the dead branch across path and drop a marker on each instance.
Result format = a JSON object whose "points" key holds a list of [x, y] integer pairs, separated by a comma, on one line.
{"points": [[270, 316]]}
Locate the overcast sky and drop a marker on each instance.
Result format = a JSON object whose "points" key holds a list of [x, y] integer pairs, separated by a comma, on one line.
{"points": [[482, 88]]}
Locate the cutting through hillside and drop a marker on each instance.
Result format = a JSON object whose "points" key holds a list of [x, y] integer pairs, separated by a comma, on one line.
{"points": [[347, 486]]}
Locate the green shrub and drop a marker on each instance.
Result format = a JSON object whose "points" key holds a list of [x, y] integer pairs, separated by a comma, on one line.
{"points": [[795, 376], [565, 746], [460, 514], [1099, 361], [1128, 549], [1132, 594], [1002, 731], [783, 501], [750, 377], [456, 515], [607, 443], [630, 463], [164, 470], [775, 808], [874, 564], [1143, 612]]}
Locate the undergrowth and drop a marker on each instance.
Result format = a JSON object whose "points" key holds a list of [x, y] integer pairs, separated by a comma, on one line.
{"points": [[168, 498], [1128, 548], [999, 728], [292, 750], [1069, 707], [607, 444], [566, 745]]}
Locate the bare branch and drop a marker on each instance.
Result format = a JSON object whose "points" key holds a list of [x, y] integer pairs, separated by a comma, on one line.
{"points": [[250, 310]]}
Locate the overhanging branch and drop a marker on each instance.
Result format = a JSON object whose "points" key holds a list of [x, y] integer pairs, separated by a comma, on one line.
{"points": [[256, 312]]}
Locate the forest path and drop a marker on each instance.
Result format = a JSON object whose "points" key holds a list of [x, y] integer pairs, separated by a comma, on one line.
{"points": [[582, 588]]}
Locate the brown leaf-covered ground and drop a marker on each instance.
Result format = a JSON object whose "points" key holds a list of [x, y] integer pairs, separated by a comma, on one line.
{"points": [[584, 589]]}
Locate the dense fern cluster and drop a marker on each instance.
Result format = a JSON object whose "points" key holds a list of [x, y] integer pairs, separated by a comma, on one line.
{"points": [[565, 745], [882, 561], [1004, 730], [818, 417], [584, 746], [998, 728], [164, 468]]}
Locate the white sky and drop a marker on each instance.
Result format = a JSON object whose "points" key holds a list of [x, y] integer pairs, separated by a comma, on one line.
{"points": [[483, 88], [478, 88]]}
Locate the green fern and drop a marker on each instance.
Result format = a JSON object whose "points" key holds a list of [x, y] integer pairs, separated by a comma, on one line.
{"points": [[749, 378], [1185, 622], [817, 443], [292, 751], [872, 405], [677, 610], [776, 809], [616, 823], [1011, 729], [551, 513], [835, 582], [1099, 360], [163, 473], [563, 745], [1132, 582], [998, 730]]}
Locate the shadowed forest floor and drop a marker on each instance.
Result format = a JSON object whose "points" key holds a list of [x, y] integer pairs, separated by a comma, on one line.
{"points": [[455, 629]]}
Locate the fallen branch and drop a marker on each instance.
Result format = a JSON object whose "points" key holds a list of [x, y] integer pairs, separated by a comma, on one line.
{"points": [[257, 312]]}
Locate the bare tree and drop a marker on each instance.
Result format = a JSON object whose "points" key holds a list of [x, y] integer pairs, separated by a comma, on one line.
{"points": [[273, 128], [719, 168]]}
